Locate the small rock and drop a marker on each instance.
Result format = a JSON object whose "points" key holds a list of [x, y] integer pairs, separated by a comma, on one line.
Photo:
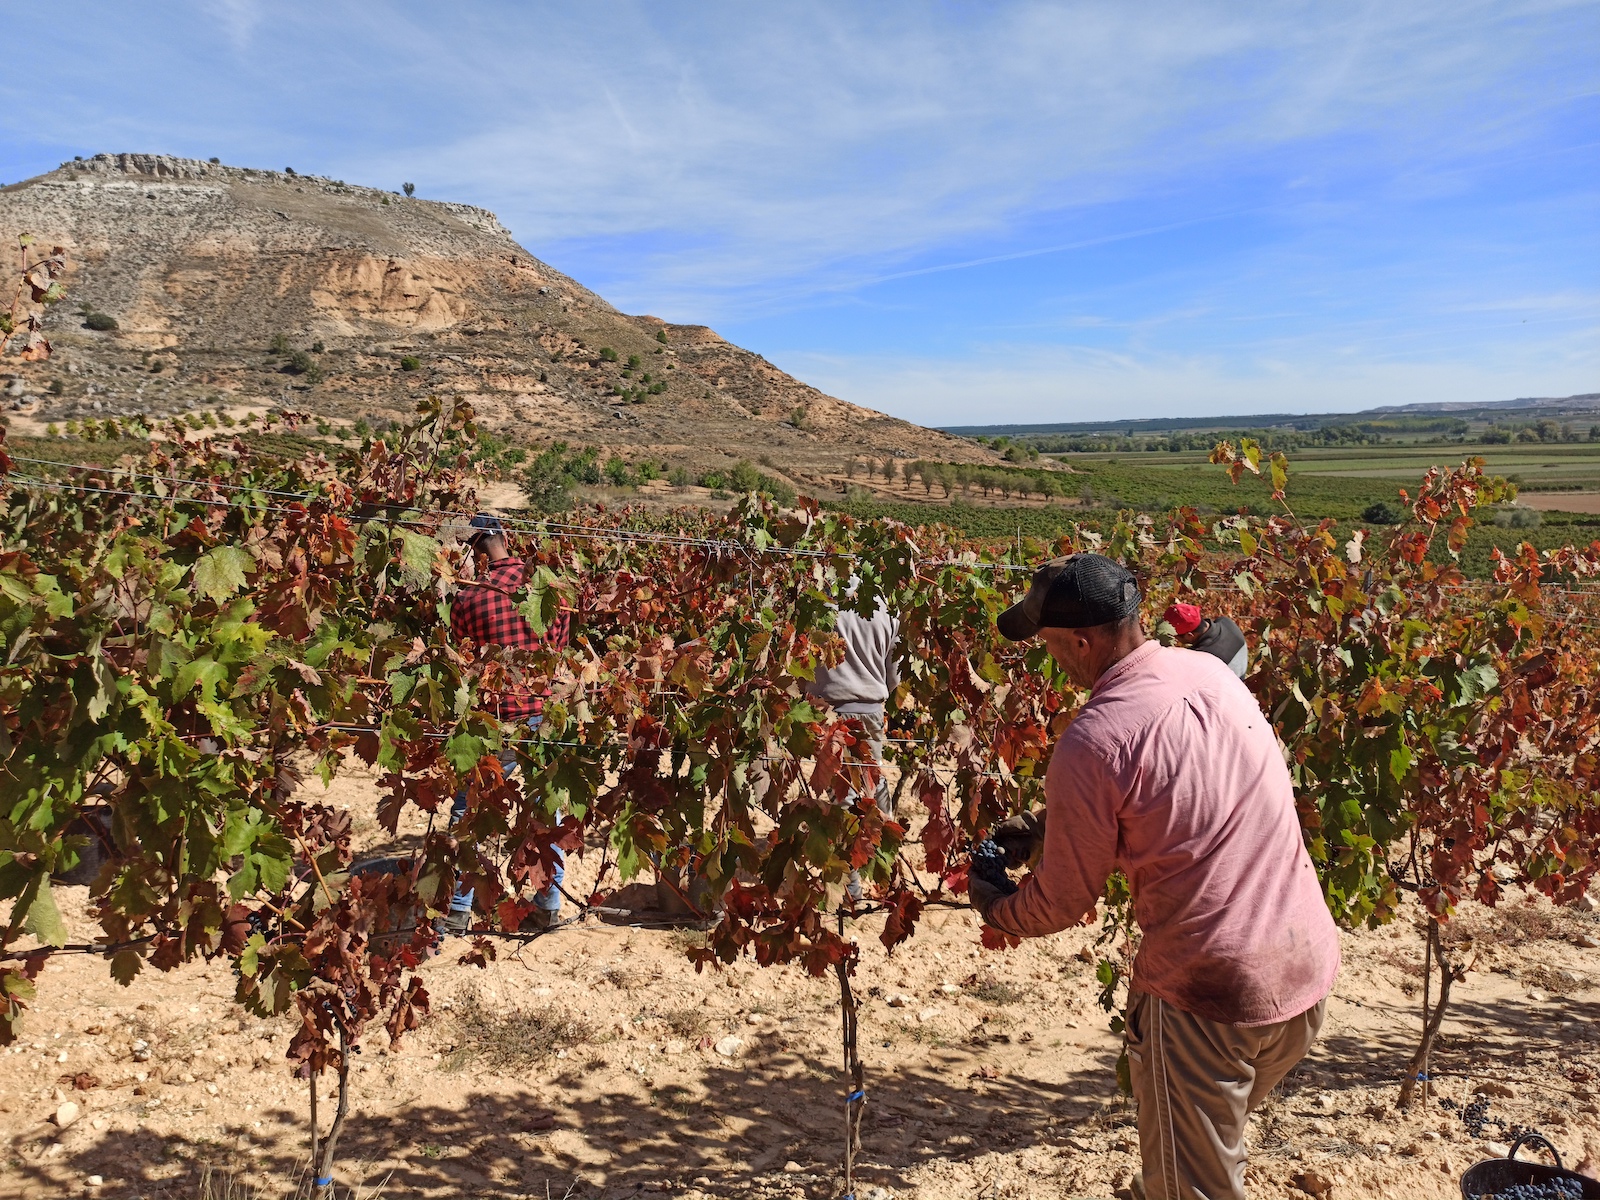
{"points": [[94, 1181], [1312, 1184], [1538, 996], [792, 1168], [949, 989], [67, 1113], [1381, 1148], [899, 1000], [1493, 1087], [730, 1047], [1497, 1149], [212, 1088], [753, 1019], [1588, 941], [186, 1077], [674, 1047], [1586, 903], [927, 1015], [1327, 1101], [1321, 1128]]}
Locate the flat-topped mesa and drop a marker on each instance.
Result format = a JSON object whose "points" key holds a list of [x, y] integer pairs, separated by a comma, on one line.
{"points": [[236, 286], [170, 168]]}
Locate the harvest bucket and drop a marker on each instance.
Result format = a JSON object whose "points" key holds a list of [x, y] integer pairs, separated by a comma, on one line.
{"points": [[393, 927], [1495, 1175]]}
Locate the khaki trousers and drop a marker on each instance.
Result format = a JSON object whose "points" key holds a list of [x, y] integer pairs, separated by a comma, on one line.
{"points": [[872, 726], [1196, 1082]]}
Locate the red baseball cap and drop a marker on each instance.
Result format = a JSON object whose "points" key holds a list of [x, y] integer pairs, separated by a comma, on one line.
{"points": [[1184, 618]]}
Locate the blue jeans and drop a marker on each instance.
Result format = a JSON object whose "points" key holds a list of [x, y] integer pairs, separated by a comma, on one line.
{"points": [[548, 899]]}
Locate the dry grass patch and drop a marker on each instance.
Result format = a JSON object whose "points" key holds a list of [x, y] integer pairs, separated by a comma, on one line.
{"points": [[997, 991], [1555, 980], [507, 1040], [689, 1021]]}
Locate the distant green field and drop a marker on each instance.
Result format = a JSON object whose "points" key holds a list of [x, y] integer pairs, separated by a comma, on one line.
{"points": [[1155, 484], [1046, 524], [1536, 466]]}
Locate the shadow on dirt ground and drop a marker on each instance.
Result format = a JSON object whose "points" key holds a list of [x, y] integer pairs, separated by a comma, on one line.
{"points": [[747, 1128]]}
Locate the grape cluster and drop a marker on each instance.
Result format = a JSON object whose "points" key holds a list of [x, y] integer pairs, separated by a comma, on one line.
{"points": [[1475, 1114], [1548, 1189], [989, 865]]}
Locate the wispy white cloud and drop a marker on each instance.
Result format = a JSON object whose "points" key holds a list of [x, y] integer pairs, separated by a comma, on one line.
{"points": [[775, 141], [238, 19]]}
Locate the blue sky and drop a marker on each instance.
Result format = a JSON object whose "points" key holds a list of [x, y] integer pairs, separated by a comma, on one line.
{"points": [[958, 213]]}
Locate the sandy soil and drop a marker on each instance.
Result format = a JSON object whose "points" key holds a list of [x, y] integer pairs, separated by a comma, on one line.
{"points": [[591, 1062]]}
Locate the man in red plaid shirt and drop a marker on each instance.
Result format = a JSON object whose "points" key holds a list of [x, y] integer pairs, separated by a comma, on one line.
{"points": [[485, 612]]}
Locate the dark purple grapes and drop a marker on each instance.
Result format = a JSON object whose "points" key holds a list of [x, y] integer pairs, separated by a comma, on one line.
{"points": [[989, 865], [1549, 1189]]}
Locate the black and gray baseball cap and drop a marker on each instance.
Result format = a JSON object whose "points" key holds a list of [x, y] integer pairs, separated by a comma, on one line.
{"points": [[1075, 592], [484, 525]]}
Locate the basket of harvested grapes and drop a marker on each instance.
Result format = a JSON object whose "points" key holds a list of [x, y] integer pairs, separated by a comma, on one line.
{"points": [[1509, 1178]]}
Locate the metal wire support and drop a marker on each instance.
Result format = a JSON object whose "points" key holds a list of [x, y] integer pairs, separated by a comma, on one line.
{"points": [[856, 1100]]}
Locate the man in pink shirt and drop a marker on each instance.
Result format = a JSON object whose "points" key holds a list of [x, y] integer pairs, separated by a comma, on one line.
{"points": [[1171, 774]]}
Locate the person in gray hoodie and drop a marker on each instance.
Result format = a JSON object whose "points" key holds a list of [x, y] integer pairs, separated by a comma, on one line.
{"points": [[864, 680]]}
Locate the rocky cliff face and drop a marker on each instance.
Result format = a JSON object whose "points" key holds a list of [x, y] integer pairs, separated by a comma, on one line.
{"points": [[216, 275]]}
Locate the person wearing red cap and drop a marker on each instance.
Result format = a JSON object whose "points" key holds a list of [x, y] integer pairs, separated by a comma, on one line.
{"points": [[1171, 774], [1218, 636]]}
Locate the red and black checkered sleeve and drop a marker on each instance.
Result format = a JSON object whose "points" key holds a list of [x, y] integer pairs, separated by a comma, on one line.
{"points": [[466, 614]]}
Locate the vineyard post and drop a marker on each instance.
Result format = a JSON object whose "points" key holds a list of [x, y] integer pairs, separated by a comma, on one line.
{"points": [[322, 1182], [311, 1078], [1417, 1069], [856, 1100]]}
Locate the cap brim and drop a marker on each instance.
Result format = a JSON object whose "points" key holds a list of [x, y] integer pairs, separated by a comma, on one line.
{"points": [[1015, 625]]}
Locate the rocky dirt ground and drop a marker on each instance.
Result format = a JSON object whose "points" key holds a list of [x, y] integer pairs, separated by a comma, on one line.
{"points": [[594, 1062]]}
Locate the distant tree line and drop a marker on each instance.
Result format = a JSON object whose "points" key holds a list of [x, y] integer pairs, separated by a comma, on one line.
{"points": [[1443, 430], [966, 479]]}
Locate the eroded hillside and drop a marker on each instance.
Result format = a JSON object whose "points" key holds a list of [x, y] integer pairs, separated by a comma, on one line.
{"points": [[231, 285]]}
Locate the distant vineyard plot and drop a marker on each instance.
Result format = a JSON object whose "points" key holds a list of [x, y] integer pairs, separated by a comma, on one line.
{"points": [[1532, 466]]}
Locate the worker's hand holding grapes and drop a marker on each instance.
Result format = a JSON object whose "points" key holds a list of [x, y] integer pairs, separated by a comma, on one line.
{"points": [[987, 880], [1022, 838]]}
